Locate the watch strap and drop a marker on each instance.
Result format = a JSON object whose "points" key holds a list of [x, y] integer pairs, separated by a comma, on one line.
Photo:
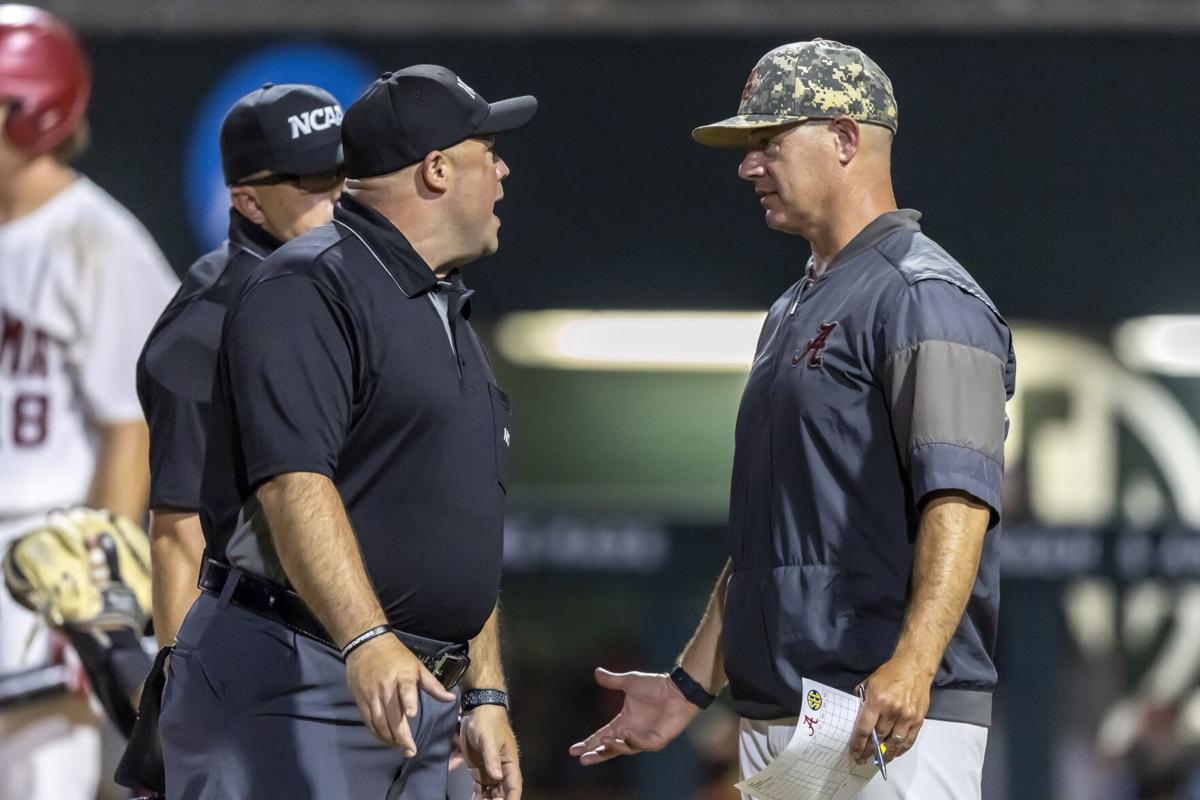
{"points": [[695, 694], [474, 698]]}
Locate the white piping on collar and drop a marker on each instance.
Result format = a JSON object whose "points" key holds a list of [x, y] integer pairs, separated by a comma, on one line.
{"points": [[377, 258], [250, 250]]}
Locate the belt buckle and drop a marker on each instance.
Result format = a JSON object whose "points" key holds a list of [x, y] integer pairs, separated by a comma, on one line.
{"points": [[437, 666], [449, 668]]}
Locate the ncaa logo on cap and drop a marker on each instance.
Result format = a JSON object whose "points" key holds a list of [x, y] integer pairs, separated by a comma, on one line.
{"points": [[318, 119]]}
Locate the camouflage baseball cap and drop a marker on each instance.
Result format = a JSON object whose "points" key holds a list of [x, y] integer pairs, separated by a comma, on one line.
{"points": [[821, 79]]}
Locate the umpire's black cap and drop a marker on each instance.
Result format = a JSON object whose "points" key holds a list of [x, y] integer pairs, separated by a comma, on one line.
{"points": [[405, 115], [288, 129]]}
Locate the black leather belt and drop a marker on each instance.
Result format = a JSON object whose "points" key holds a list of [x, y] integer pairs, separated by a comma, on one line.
{"points": [[447, 661]]}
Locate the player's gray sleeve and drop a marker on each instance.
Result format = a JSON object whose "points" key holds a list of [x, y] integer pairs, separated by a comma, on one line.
{"points": [[944, 375]]}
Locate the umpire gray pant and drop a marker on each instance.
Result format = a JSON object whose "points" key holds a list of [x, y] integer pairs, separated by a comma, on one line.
{"points": [[254, 711]]}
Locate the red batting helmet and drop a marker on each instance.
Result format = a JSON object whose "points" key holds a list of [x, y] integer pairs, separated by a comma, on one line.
{"points": [[44, 78]]}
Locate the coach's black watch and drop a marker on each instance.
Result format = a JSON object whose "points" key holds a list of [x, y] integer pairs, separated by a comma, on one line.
{"points": [[690, 688], [474, 698]]}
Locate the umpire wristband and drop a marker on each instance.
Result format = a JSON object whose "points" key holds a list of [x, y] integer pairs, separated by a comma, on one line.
{"points": [[363, 638], [474, 698], [692, 691]]}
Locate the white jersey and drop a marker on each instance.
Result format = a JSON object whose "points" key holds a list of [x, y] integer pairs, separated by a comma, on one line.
{"points": [[81, 284]]}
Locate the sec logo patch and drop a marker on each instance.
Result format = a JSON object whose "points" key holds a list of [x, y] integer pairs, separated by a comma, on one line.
{"points": [[814, 700]]}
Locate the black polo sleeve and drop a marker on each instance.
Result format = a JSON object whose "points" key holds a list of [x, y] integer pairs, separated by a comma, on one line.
{"points": [[290, 375], [177, 438], [174, 384]]}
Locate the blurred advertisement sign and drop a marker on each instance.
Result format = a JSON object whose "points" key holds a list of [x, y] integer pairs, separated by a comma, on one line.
{"points": [[611, 544], [1103, 460], [1071, 451]]}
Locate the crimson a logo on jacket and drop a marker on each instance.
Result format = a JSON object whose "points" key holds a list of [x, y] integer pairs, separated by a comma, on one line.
{"points": [[815, 346]]}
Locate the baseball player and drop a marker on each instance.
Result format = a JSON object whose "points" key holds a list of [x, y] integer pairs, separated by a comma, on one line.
{"points": [[81, 285], [868, 462], [283, 180]]}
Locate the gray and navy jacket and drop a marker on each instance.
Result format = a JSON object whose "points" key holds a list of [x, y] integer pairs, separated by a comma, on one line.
{"points": [[877, 383]]}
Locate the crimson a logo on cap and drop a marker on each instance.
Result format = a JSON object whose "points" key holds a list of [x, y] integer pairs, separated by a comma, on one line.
{"points": [[749, 84], [815, 346]]}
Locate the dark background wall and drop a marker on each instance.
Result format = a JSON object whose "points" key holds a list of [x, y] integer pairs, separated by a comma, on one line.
{"points": [[1060, 169]]}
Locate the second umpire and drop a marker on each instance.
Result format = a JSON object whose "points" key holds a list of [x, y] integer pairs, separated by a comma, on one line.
{"points": [[283, 180], [354, 486]]}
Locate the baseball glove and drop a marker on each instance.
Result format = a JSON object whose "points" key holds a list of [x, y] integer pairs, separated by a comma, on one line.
{"points": [[82, 568], [86, 573]]}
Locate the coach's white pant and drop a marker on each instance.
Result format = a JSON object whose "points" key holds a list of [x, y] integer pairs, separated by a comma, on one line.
{"points": [[945, 763], [49, 748]]}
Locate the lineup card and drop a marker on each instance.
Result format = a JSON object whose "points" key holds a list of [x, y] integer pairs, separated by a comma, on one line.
{"points": [[816, 763]]}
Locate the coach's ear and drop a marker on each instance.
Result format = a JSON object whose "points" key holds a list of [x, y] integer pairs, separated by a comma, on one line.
{"points": [[245, 200], [849, 136]]}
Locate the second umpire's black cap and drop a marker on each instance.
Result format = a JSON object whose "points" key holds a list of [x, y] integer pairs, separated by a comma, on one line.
{"points": [[404, 116], [288, 129]]}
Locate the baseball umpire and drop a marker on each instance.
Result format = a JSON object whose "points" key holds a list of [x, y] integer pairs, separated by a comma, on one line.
{"points": [[280, 185], [354, 484], [868, 467], [283, 180]]}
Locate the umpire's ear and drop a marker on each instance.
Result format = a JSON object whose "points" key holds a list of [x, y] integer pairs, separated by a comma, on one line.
{"points": [[245, 201], [434, 173]]}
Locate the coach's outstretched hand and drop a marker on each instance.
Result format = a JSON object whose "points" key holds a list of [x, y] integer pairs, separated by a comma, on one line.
{"points": [[654, 713]]}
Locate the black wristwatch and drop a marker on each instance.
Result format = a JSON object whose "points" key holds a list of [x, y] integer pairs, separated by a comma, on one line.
{"points": [[474, 698], [692, 691]]}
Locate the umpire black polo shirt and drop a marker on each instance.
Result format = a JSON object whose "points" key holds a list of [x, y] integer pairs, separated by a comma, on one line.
{"points": [[175, 369], [335, 361]]}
